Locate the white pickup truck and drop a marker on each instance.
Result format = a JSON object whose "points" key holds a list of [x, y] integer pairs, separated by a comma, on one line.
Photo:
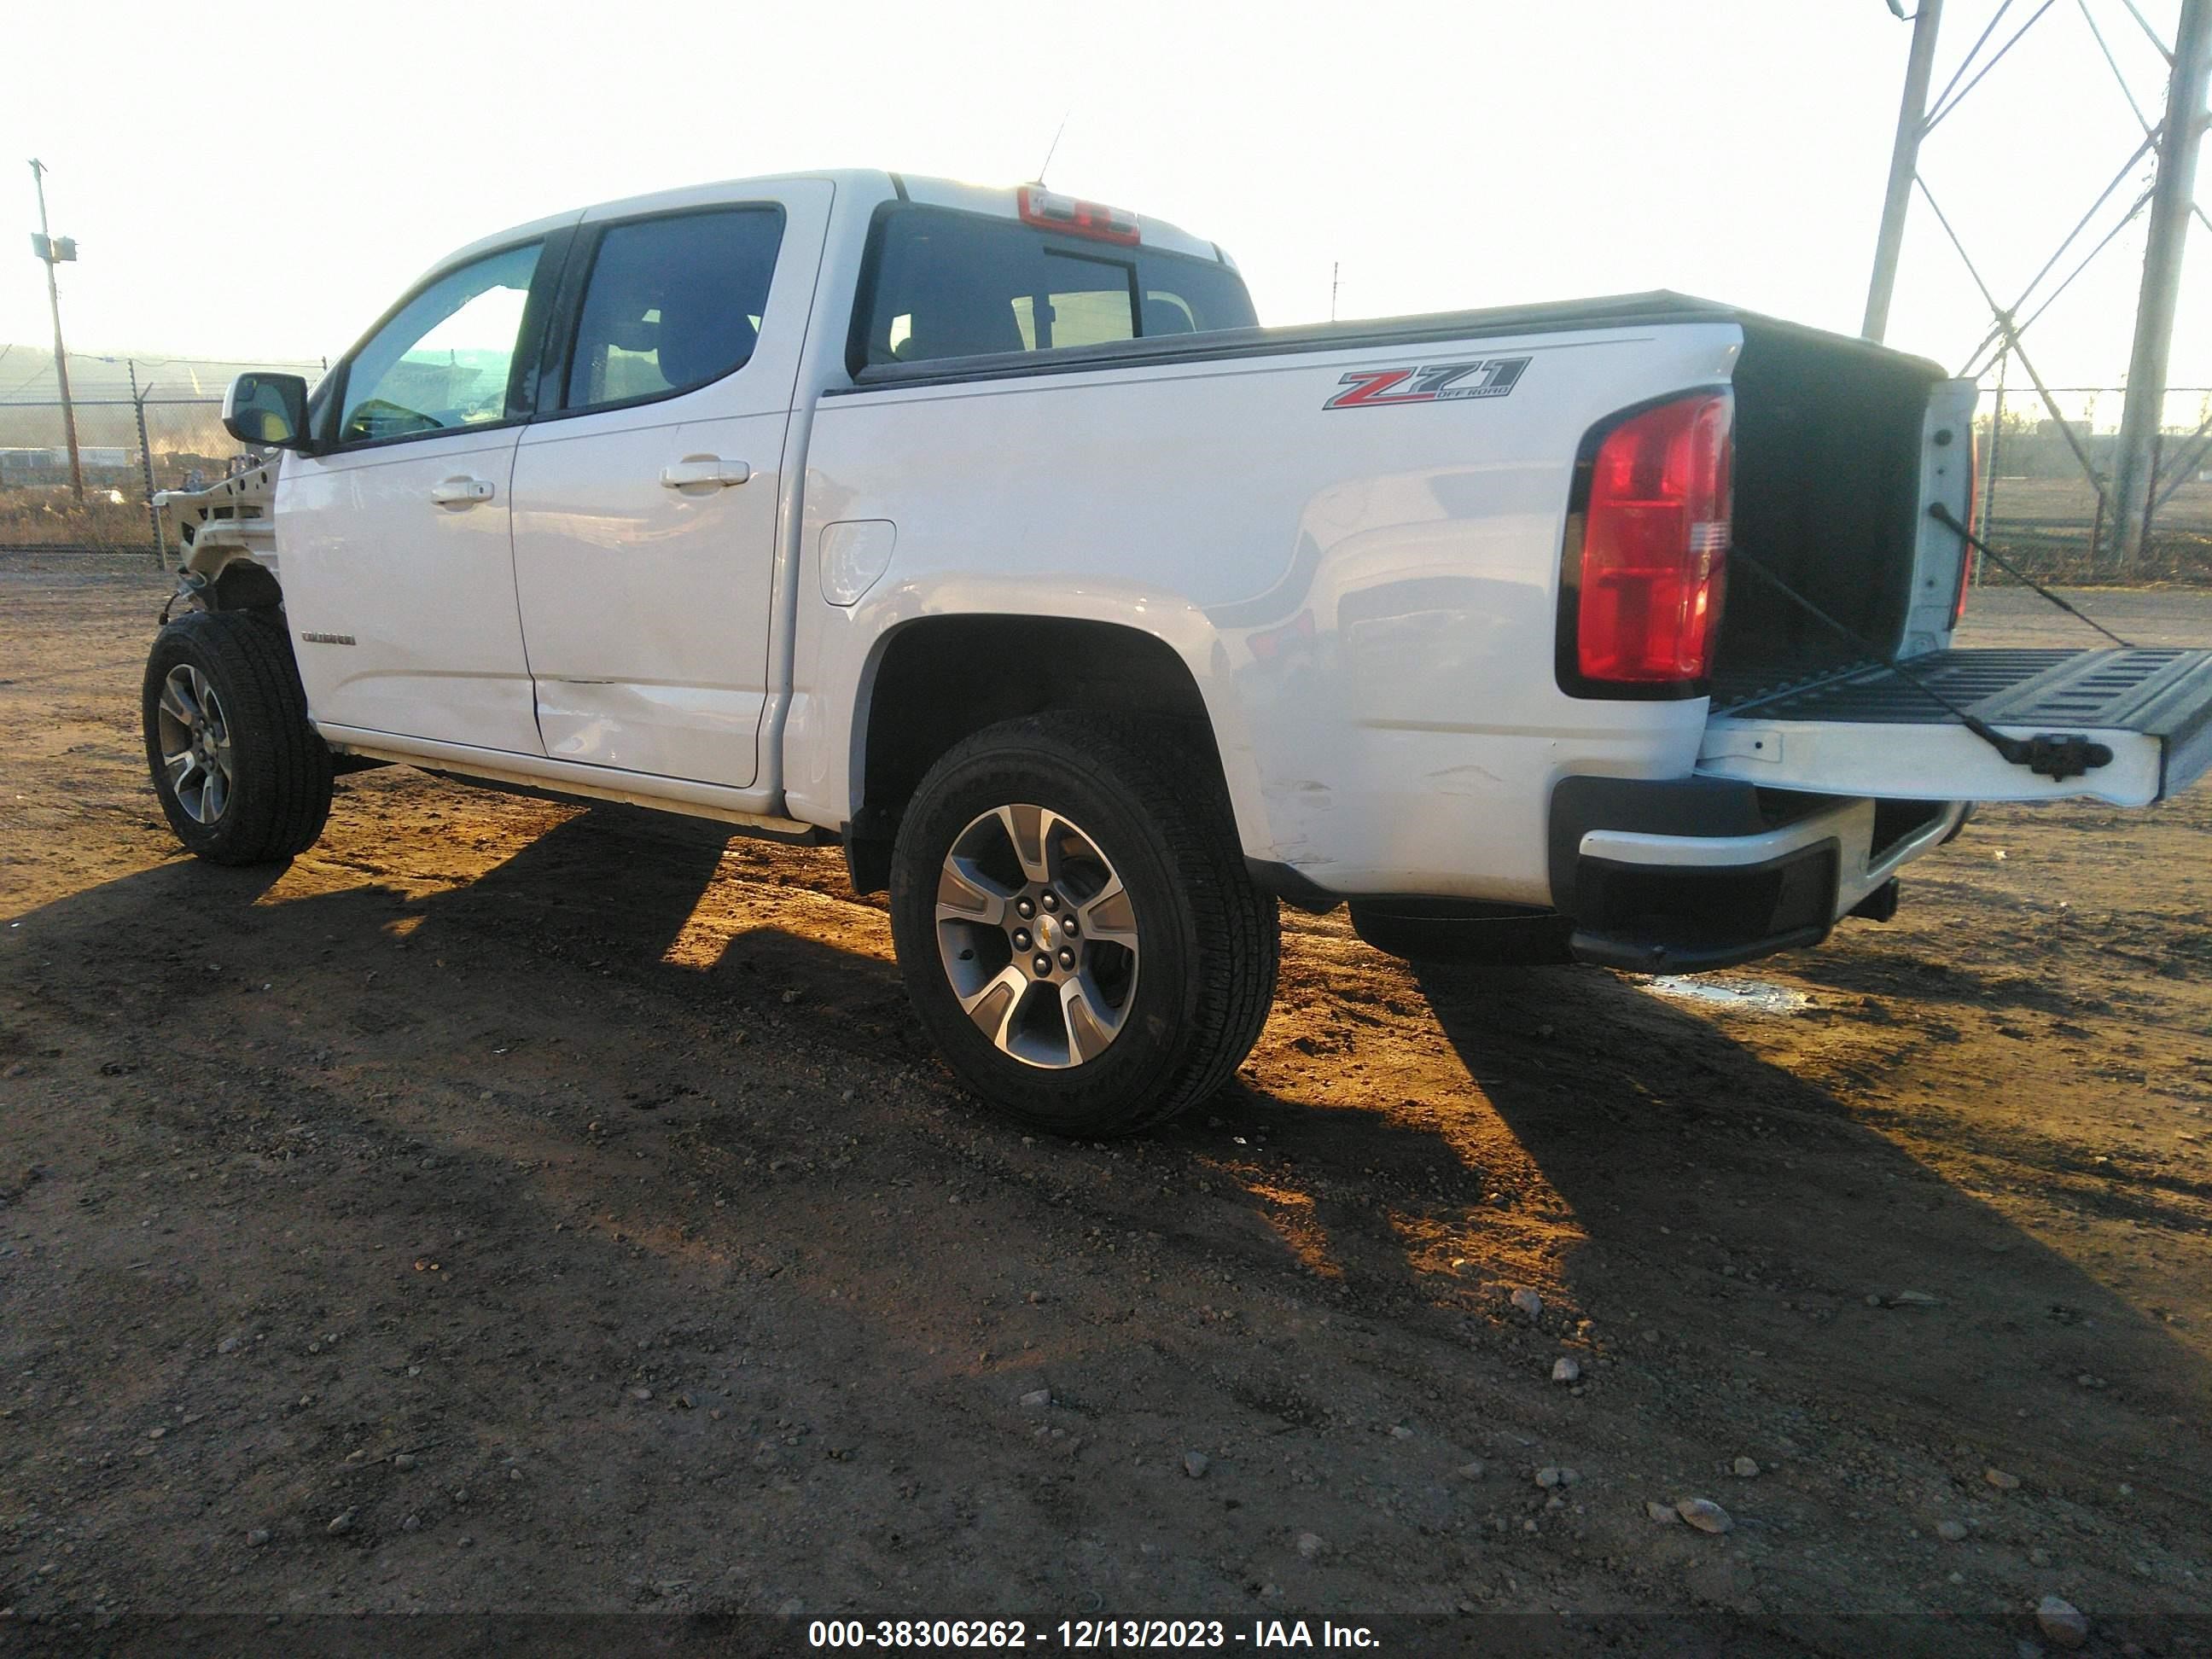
{"points": [[981, 532]]}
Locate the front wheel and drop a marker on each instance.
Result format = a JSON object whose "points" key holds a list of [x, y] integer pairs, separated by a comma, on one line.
{"points": [[1075, 925], [242, 776]]}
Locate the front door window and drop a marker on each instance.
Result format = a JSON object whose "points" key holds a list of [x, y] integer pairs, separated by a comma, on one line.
{"points": [[446, 358]]}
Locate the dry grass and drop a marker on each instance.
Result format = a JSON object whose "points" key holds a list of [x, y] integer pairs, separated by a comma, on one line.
{"points": [[2051, 500], [48, 518]]}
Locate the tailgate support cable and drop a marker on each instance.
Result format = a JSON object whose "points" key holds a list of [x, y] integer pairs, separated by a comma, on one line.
{"points": [[1949, 520], [2050, 756]]}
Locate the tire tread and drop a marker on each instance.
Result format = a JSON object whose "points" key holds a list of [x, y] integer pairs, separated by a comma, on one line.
{"points": [[285, 806], [1152, 766]]}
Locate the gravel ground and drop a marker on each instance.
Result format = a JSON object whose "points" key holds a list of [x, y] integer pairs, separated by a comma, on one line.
{"points": [[511, 1206]]}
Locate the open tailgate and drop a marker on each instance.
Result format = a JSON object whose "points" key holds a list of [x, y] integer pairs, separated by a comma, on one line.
{"points": [[1871, 731]]}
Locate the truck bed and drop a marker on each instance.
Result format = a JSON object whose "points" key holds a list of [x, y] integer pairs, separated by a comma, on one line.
{"points": [[1657, 308], [1828, 433]]}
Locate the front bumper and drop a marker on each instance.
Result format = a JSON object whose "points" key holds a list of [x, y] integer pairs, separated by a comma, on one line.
{"points": [[1681, 876]]}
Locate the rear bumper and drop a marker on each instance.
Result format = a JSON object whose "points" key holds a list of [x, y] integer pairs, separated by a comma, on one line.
{"points": [[1681, 876]]}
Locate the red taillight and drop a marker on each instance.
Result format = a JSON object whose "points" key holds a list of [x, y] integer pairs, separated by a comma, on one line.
{"points": [[1654, 545], [1048, 211]]}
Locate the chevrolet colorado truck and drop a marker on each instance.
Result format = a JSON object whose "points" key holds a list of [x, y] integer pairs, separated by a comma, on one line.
{"points": [[981, 532]]}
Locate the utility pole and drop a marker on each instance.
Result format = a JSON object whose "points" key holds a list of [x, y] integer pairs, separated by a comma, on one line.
{"points": [[1903, 164], [2173, 199], [51, 253]]}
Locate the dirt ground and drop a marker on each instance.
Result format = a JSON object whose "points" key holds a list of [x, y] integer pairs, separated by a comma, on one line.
{"points": [[513, 1206]]}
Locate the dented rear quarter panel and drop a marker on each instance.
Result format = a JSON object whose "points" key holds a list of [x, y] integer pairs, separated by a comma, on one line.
{"points": [[1366, 596]]}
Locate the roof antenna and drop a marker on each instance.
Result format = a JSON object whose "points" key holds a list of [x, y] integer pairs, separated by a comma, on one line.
{"points": [[1053, 146]]}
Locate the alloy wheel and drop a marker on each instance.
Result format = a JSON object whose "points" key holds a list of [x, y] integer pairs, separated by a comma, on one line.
{"points": [[1037, 936], [195, 743]]}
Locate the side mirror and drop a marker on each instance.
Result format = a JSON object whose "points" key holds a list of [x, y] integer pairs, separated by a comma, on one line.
{"points": [[267, 410]]}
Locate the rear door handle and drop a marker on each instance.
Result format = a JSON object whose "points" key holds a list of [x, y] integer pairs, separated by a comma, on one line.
{"points": [[461, 491], [704, 473]]}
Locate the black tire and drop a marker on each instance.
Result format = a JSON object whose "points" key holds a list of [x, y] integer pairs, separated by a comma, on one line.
{"points": [[1452, 930], [279, 792], [1201, 976]]}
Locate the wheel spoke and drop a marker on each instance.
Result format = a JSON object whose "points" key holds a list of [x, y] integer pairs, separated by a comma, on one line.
{"points": [[1054, 833], [1109, 917], [1091, 1023], [1030, 913], [1026, 830], [992, 1007], [215, 796], [177, 702], [964, 893]]}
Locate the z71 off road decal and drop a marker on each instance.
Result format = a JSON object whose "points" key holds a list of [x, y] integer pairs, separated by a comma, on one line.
{"points": [[1430, 383]]}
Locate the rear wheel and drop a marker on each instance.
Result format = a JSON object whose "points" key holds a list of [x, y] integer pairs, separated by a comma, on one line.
{"points": [[1075, 925], [242, 776]]}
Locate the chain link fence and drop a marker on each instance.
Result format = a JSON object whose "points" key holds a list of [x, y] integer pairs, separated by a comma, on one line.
{"points": [[2040, 510], [140, 427]]}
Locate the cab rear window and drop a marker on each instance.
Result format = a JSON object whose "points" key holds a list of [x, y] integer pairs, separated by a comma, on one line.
{"points": [[942, 284]]}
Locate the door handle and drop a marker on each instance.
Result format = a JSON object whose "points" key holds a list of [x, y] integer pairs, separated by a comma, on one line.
{"points": [[711, 471], [461, 491]]}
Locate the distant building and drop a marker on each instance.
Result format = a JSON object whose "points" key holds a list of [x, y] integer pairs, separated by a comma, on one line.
{"points": [[50, 464]]}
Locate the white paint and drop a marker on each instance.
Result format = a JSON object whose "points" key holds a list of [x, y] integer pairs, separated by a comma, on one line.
{"points": [[1934, 762], [855, 553], [1366, 599], [646, 606], [426, 591]]}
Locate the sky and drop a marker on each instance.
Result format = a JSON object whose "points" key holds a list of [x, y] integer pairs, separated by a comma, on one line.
{"points": [[264, 188]]}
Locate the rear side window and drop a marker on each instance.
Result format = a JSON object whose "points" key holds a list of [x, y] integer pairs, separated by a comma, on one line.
{"points": [[945, 284], [673, 302]]}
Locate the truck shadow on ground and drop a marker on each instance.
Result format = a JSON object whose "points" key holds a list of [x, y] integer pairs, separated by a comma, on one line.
{"points": [[1869, 969], [1728, 1200], [1658, 1176], [622, 891]]}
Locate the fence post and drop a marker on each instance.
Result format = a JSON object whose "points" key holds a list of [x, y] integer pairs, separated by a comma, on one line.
{"points": [[1990, 472], [146, 462]]}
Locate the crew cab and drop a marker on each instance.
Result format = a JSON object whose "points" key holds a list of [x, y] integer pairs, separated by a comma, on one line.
{"points": [[983, 531]]}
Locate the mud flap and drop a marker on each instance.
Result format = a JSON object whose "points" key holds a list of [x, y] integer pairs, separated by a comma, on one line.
{"points": [[2127, 727]]}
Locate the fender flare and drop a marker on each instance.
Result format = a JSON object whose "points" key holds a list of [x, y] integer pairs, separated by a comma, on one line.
{"points": [[1181, 629]]}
